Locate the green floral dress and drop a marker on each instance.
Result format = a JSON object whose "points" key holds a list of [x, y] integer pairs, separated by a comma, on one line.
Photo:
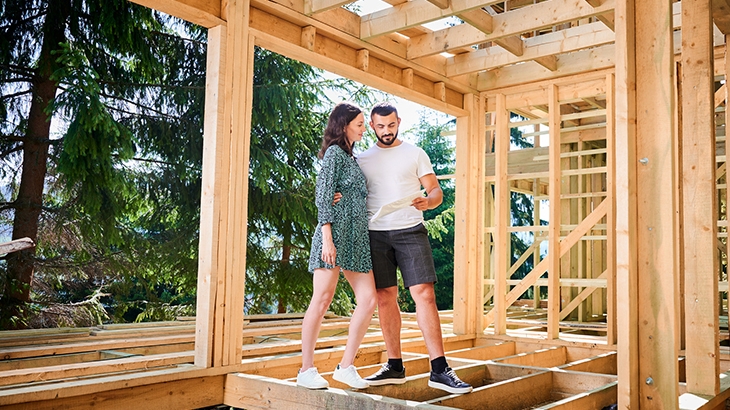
{"points": [[349, 218]]}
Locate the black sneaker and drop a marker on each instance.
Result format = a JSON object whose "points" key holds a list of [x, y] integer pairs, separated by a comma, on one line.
{"points": [[386, 375], [448, 381]]}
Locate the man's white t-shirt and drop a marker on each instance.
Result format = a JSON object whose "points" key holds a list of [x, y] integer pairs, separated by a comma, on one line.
{"points": [[391, 174]]}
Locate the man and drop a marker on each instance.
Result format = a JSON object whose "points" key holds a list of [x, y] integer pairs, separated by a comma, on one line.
{"points": [[395, 169]]}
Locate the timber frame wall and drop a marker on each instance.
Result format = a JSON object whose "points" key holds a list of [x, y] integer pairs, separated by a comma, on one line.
{"points": [[624, 103]]}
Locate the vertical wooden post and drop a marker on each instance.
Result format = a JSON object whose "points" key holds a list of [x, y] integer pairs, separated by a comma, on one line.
{"points": [[554, 180], [222, 267], [727, 170], [647, 280], [699, 212], [611, 212], [645, 219], [468, 245], [488, 215], [215, 173], [502, 215]]}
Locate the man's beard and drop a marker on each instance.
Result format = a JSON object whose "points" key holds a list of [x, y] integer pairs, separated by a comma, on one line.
{"points": [[387, 142]]}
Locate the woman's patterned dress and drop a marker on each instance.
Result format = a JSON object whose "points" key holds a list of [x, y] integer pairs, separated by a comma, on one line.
{"points": [[349, 218]]}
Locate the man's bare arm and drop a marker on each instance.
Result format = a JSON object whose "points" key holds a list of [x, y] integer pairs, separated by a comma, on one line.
{"points": [[434, 194]]}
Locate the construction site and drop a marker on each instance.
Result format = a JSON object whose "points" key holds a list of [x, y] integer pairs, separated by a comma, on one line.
{"points": [[623, 105]]}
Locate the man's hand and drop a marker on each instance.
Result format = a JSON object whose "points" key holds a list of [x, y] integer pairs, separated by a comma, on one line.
{"points": [[421, 203], [337, 198]]}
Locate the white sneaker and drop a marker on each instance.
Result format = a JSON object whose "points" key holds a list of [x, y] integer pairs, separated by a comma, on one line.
{"points": [[350, 377], [311, 379]]}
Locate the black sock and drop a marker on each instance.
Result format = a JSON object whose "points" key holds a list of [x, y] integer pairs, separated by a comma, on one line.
{"points": [[396, 364], [439, 365]]}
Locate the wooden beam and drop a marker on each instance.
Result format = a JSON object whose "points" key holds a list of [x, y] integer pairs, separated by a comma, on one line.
{"points": [[86, 369], [173, 394], [412, 13], [421, 92], [699, 213], [721, 15], [727, 135], [607, 19], [318, 6], [232, 239], [554, 181], [545, 14], [443, 4], [202, 12], [720, 95], [340, 57], [577, 62], [657, 273], [468, 245], [363, 63], [214, 177], [338, 40], [610, 106], [407, 77], [549, 62], [502, 219], [439, 91], [583, 295], [16, 245], [309, 35], [479, 19], [520, 393]]}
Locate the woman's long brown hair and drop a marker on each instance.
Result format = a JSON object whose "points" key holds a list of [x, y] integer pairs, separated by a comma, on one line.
{"points": [[334, 133]]}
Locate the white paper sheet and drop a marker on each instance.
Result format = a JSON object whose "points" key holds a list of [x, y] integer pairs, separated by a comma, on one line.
{"points": [[396, 205]]}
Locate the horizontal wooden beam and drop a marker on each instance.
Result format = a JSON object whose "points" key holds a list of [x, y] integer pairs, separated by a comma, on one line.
{"points": [[16, 245], [380, 77], [507, 24], [574, 63], [559, 42], [412, 13], [202, 12], [318, 6]]}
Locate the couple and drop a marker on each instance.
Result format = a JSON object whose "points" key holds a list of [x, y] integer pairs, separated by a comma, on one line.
{"points": [[368, 252]]}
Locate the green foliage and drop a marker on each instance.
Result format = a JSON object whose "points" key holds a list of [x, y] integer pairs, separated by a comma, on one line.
{"points": [[122, 194]]}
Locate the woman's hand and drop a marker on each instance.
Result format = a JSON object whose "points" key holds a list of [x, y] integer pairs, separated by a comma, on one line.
{"points": [[329, 252]]}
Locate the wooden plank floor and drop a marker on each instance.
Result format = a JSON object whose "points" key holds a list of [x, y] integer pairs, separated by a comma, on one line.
{"points": [[151, 364]]}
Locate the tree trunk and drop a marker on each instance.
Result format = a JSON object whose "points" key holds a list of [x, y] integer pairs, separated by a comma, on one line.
{"points": [[35, 155]]}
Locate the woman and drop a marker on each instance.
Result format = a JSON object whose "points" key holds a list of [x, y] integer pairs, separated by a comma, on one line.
{"points": [[340, 243]]}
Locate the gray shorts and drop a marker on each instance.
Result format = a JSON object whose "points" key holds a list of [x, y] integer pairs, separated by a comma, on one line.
{"points": [[407, 249]]}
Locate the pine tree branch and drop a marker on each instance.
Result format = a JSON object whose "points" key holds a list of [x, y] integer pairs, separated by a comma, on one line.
{"points": [[19, 69], [18, 94], [23, 138], [9, 151], [155, 161], [18, 23], [183, 87]]}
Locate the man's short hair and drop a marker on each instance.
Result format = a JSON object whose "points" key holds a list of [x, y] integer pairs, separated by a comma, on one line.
{"points": [[383, 109]]}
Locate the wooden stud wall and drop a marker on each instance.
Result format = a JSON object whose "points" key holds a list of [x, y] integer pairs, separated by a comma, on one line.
{"points": [[639, 211]]}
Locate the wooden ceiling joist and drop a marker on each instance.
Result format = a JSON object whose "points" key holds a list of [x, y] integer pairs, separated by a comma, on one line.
{"points": [[413, 13], [318, 6], [546, 14], [553, 44], [203, 12], [721, 15]]}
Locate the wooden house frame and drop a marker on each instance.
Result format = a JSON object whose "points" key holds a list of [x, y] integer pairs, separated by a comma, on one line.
{"points": [[624, 102]]}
